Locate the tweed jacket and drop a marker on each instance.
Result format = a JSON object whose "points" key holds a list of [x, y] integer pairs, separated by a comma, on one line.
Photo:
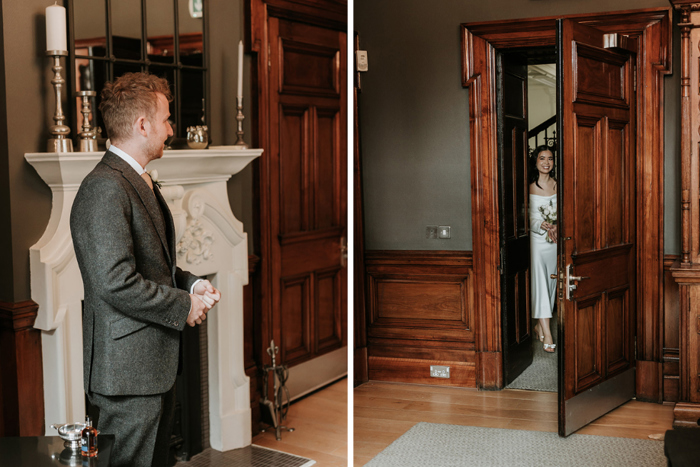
{"points": [[136, 298]]}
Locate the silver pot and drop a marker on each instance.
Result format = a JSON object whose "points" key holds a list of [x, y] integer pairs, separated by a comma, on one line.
{"points": [[197, 137], [70, 434]]}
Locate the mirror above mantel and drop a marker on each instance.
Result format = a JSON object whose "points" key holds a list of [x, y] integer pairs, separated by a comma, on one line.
{"points": [[165, 37]]}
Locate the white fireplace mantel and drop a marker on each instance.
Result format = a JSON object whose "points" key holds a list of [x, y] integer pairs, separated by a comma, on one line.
{"points": [[210, 242]]}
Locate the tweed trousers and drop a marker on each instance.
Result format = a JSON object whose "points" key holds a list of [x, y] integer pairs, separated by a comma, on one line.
{"points": [[141, 425]]}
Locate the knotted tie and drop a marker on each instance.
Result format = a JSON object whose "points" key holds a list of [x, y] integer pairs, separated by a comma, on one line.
{"points": [[148, 180]]}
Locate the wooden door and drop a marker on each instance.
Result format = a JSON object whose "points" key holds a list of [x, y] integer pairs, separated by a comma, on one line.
{"points": [[513, 199], [308, 191], [597, 247]]}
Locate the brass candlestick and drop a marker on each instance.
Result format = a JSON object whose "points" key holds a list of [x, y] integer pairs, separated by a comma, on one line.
{"points": [[88, 136], [60, 141], [240, 144]]}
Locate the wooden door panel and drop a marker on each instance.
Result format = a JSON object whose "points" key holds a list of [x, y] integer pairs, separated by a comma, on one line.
{"points": [[311, 251], [521, 186], [600, 76], [617, 350], [328, 314], [515, 187], [293, 167], [308, 69], [587, 137], [295, 318], [310, 183], [517, 293], [514, 241], [522, 291], [597, 222], [326, 168], [616, 274], [616, 209], [587, 350]]}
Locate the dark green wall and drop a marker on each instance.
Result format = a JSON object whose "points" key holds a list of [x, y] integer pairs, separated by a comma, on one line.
{"points": [[26, 108], [414, 116]]}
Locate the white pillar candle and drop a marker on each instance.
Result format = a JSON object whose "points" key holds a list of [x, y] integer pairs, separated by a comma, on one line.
{"points": [[240, 69], [56, 28]]}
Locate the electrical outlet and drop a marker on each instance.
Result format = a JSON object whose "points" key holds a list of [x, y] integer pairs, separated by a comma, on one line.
{"points": [[431, 231], [439, 371], [444, 231]]}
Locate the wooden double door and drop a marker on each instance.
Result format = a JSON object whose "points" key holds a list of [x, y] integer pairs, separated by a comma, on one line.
{"points": [[597, 208]]}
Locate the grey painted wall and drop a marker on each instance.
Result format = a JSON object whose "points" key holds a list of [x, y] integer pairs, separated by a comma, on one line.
{"points": [[226, 28], [28, 111], [414, 116], [672, 151], [26, 108], [6, 279]]}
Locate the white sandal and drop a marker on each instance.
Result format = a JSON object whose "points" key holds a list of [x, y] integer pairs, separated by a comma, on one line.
{"points": [[550, 346]]}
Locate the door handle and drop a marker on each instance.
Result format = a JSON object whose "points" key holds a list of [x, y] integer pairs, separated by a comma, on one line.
{"points": [[570, 278]]}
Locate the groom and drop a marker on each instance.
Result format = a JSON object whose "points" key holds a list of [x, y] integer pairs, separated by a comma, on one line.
{"points": [[137, 301]]}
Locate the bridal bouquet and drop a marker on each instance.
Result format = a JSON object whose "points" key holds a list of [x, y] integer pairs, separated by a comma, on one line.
{"points": [[549, 214]]}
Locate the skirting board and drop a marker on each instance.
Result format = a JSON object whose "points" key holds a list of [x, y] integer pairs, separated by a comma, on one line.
{"points": [[314, 374]]}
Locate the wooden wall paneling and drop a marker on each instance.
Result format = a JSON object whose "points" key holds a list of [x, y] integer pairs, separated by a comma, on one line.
{"points": [[420, 313], [686, 270], [671, 366], [21, 374], [653, 63], [480, 43], [687, 410]]}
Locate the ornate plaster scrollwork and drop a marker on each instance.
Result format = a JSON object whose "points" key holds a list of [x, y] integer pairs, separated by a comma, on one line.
{"points": [[196, 242]]}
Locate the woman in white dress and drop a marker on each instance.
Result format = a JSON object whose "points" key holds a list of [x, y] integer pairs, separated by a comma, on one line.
{"points": [[543, 246]]}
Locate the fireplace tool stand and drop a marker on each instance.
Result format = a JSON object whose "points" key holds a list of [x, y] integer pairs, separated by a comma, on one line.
{"points": [[274, 409]]}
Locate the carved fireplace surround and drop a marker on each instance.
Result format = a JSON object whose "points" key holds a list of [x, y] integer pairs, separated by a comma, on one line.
{"points": [[210, 242]]}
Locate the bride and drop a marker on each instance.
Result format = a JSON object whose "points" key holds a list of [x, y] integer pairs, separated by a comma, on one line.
{"points": [[543, 246]]}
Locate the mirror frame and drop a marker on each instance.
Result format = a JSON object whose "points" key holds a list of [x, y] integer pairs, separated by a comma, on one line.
{"points": [[180, 133]]}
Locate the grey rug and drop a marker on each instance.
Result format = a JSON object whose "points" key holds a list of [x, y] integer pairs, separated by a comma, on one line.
{"points": [[436, 445], [542, 374]]}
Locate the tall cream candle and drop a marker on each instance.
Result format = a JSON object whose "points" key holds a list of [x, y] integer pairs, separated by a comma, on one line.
{"points": [[240, 69], [56, 28]]}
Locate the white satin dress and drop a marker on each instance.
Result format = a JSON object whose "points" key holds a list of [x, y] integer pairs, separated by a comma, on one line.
{"points": [[543, 260]]}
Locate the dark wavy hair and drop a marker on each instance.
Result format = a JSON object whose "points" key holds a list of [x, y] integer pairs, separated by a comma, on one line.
{"points": [[533, 173]]}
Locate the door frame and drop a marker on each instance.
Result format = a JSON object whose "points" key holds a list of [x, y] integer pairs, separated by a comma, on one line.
{"points": [[480, 43]]}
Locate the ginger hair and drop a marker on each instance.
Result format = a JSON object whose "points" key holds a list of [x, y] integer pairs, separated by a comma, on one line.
{"points": [[128, 97]]}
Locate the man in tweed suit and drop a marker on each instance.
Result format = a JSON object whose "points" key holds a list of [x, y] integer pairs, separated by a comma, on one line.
{"points": [[137, 301]]}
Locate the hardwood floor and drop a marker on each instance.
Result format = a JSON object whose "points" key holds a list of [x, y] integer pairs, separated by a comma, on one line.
{"points": [[385, 411], [320, 422]]}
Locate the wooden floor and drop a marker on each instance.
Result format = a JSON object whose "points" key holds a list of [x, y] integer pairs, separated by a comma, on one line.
{"points": [[385, 411], [321, 428]]}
